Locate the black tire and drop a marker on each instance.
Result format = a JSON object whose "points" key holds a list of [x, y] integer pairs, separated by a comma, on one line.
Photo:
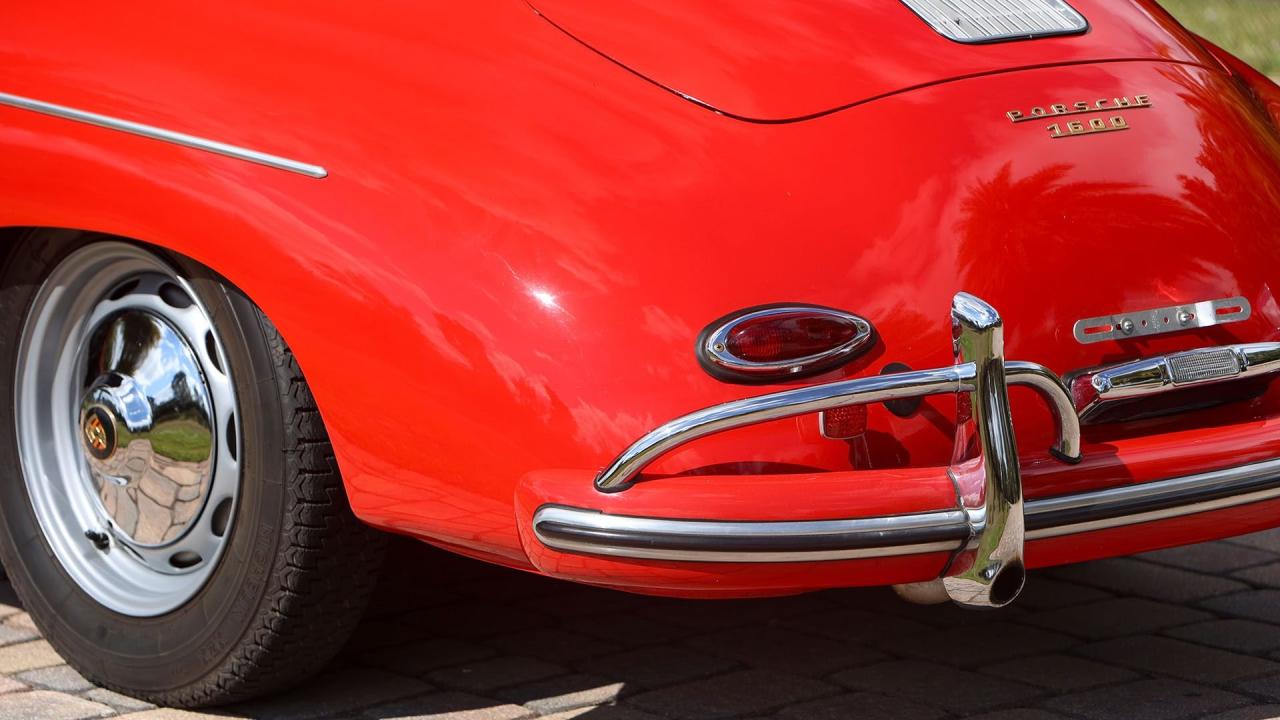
{"points": [[298, 567]]}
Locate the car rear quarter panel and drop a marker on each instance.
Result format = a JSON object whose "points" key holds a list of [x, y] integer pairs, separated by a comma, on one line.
{"points": [[503, 273]]}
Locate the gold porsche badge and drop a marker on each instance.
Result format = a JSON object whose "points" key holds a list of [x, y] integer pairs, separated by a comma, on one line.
{"points": [[95, 434], [1110, 108]]}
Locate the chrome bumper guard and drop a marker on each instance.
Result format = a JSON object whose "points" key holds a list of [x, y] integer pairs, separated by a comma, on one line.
{"points": [[985, 532]]}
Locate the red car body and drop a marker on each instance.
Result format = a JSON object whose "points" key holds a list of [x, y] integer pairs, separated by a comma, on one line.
{"points": [[531, 209]]}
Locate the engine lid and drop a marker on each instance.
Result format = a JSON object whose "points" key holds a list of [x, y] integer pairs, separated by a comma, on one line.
{"points": [[781, 60]]}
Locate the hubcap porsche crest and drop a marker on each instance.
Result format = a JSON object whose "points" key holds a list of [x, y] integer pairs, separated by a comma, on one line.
{"points": [[99, 441]]}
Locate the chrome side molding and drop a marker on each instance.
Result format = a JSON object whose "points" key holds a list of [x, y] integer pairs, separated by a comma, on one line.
{"points": [[163, 135], [1093, 390]]}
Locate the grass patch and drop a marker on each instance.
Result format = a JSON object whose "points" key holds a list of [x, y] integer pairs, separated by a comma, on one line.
{"points": [[1249, 29], [181, 440]]}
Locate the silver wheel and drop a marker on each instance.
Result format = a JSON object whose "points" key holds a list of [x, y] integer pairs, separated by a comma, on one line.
{"points": [[127, 428]]}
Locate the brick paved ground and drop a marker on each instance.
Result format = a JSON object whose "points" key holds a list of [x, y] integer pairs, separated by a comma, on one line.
{"points": [[1186, 633]]}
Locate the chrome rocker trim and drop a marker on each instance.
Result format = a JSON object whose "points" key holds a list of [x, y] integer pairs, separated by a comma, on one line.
{"points": [[169, 136], [595, 533]]}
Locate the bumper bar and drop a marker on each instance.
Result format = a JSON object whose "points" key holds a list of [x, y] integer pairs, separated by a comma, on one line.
{"points": [[592, 532]]}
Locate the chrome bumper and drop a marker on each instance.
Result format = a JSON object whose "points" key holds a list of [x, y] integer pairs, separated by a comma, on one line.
{"points": [[985, 531]]}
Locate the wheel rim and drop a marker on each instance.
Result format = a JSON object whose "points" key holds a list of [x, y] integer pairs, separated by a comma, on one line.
{"points": [[127, 428]]}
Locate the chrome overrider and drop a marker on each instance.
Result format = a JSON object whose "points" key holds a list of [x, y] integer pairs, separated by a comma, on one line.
{"points": [[985, 531]]}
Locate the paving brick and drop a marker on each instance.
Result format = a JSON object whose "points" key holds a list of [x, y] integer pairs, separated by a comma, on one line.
{"points": [[855, 625], [121, 703], [657, 666], [703, 616], [28, 656], [339, 690], [1127, 576], [1161, 699], [1268, 687], [777, 648], [863, 706], [476, 620], [171, 714], [1258, 712], [448, 706], [1019, 714], [1261, 605], [947, 687], [1268, 540], [420, 657], [628, 630], [1113, 618], [1213, 557], [46, 705], [1060, 672], [1043, 592], [747, 692], [382, 634], [1265, 575], [556, 645], [21, 620], [497, 673], [977, 641], [601, 712], [1167, 656], [59, 677], [566, 692], [8, 685], [13, 634], [1245, 636]]}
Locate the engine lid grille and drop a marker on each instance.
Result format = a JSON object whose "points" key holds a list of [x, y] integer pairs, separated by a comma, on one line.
{"points": [[984, 21]]}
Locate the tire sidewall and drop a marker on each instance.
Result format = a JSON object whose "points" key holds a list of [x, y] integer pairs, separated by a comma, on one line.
{"points": [[182, 647]]}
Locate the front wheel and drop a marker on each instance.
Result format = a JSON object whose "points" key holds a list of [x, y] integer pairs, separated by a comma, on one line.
{"points": [[180, 531]]}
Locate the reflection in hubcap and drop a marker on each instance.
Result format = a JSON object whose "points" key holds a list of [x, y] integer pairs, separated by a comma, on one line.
{"points": [[152, 477]]}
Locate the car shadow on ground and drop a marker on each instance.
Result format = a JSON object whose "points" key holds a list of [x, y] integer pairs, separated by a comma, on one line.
{"points": [[1180, 633]]}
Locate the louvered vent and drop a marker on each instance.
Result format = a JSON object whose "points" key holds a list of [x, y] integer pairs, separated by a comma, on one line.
{"points": [[979, 21]]}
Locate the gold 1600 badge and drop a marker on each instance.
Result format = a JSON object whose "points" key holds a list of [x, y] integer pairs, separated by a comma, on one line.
{"points": [[1109, 108]]}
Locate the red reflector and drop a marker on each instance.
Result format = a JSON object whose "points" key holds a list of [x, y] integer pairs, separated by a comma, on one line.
{"points": [[788, 337], [843, 423]]}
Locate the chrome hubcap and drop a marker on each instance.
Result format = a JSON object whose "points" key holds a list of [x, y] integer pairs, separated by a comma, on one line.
{"points": [[127, 429]]}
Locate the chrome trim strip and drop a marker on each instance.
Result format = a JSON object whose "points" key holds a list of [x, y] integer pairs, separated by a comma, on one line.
{"points": [[665, 539], [595, 533], [1159, 500], [1054, 392], [788, 403], [169, 136], [1095, 389]]}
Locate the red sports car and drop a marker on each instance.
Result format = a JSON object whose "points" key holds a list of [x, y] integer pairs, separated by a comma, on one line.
{"points": [[698, 298]]}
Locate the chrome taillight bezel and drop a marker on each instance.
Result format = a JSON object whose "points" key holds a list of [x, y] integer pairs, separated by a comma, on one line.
{"points": [[718, 360]]}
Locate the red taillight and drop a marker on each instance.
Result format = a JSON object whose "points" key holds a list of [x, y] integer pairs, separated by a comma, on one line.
{"points": [[774, 339], [780, 342]]}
